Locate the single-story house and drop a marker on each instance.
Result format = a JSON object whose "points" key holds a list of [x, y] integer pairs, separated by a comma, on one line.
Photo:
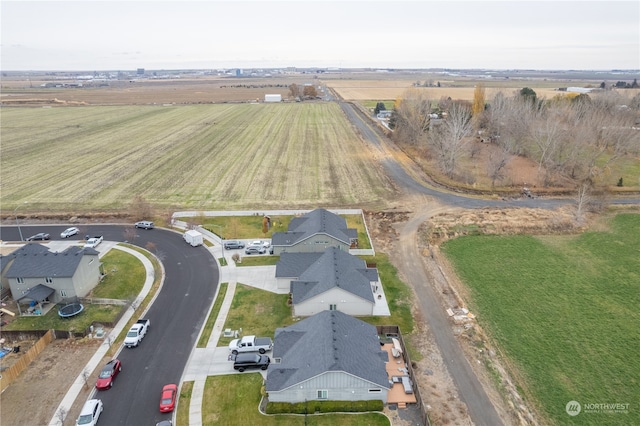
{"points": [[69, 274], [333, 280], [315, 232], [328, 356]]}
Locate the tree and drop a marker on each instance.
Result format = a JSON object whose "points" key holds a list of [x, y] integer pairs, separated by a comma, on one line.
{"points": [[529, 94], [634, 85], [140, 208], [379, 107], [498, 161], [412, 119], [294, 90], [602, 85], [309, 91], [477, 108], [451, 137]]}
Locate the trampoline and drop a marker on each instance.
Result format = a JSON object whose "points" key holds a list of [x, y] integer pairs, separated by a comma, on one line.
{"points": [[70, 310]]}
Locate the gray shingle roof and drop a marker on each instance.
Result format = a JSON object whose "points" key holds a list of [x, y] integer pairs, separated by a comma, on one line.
{"points": [[319, 221], [36, 261], [328, 341], [294, 264], [335, 268]]}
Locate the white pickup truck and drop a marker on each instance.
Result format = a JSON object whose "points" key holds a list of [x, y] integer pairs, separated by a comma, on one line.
{"points": [[93, 241], [136, 333], [251, 344]]}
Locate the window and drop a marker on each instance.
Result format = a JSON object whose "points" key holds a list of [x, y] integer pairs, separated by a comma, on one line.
{"points": [[48, 280], [63, 293], [277, 360], [91, 261], [20, 280], [375, 390], [333, 307], [323, 394]]}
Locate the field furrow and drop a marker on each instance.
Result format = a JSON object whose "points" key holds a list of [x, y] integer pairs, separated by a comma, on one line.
{"points": [[197, 156]]}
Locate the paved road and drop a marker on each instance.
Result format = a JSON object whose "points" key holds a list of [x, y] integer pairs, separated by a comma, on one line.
{"points": [[176, 315]]}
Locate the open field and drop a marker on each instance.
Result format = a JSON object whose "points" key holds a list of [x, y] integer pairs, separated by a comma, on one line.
{"points": [[462, 89], [196, 156], [564, 310]]}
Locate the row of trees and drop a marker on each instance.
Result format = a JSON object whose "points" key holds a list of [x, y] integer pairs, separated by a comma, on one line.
{"points": [[572, 138]]}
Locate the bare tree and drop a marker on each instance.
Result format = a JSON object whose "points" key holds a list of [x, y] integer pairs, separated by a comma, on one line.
{"points": [[140, 208], [85, 376], [498, 160], [451, 137], [412, 119]]}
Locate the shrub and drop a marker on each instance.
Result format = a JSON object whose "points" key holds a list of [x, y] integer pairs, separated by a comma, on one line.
{"points": [[311, 407]]}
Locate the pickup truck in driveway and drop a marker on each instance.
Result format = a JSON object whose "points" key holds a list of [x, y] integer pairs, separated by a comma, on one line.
{"points": [[251, 344], [136, 333]]}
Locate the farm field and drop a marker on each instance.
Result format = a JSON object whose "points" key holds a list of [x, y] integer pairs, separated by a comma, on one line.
{"points": [[193, 156], [462, 89], [564, 311]]}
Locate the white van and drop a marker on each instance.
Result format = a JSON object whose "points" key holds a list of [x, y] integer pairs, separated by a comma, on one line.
{"points": [[193, 237]]}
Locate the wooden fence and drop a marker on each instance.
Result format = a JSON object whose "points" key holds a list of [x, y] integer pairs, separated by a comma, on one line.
{"points": [[12, 372]]}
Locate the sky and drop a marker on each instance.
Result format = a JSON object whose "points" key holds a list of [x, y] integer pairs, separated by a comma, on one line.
{"points": [[92, 35]]}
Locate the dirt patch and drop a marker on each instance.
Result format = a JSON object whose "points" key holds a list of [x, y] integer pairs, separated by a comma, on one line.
{"points": [[32, 399]]}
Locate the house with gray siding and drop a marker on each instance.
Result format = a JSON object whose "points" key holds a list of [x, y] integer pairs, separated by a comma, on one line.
{"points": [[328, 356], [333, 280], [71, 273], [314, 232]]}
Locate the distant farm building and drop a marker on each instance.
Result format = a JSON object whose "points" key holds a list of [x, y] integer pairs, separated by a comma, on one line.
{"points": [[273, 98]]}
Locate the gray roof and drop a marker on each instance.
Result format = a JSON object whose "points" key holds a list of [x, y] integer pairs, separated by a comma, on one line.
{"points": [[36, 261], [38, 293], [292, 265], [330, 341], [335, 269], [319, 221]]}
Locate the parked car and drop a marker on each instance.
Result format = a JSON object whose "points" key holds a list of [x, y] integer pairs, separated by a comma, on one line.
{"points": [[244, 361], [108, 374], [39, 237], [233, 244], [90, 413], [145, 224], [165, 423], [255, 250], [69, 232], [261, 243], [168, 398]]}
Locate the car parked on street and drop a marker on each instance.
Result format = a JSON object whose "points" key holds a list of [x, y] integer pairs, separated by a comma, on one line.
{"points": [[90, 413], [233, 244], [39, 237], [255, 250], [69, 232], [145, 224], [108, 374], [168, 398]]}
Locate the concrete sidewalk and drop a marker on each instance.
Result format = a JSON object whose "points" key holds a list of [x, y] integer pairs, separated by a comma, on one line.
{"points": [[79, 383]]}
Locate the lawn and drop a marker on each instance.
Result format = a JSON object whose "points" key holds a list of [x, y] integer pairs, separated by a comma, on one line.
{"points": [[78, 323], [205, 157], [564, 309], [213, 315], [221, 406], [124, 278]]}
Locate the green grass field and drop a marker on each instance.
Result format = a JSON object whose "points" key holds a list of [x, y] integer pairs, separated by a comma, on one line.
{"points": [[564, 309], [195, 156]]}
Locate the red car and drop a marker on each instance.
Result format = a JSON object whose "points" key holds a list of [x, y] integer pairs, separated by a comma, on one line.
{"points": [[108, 374], [168, 398]]}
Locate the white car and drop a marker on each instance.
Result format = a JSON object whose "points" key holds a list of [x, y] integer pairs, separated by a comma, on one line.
{"points": [[69, 232], [260, 243], [90, 413]]}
